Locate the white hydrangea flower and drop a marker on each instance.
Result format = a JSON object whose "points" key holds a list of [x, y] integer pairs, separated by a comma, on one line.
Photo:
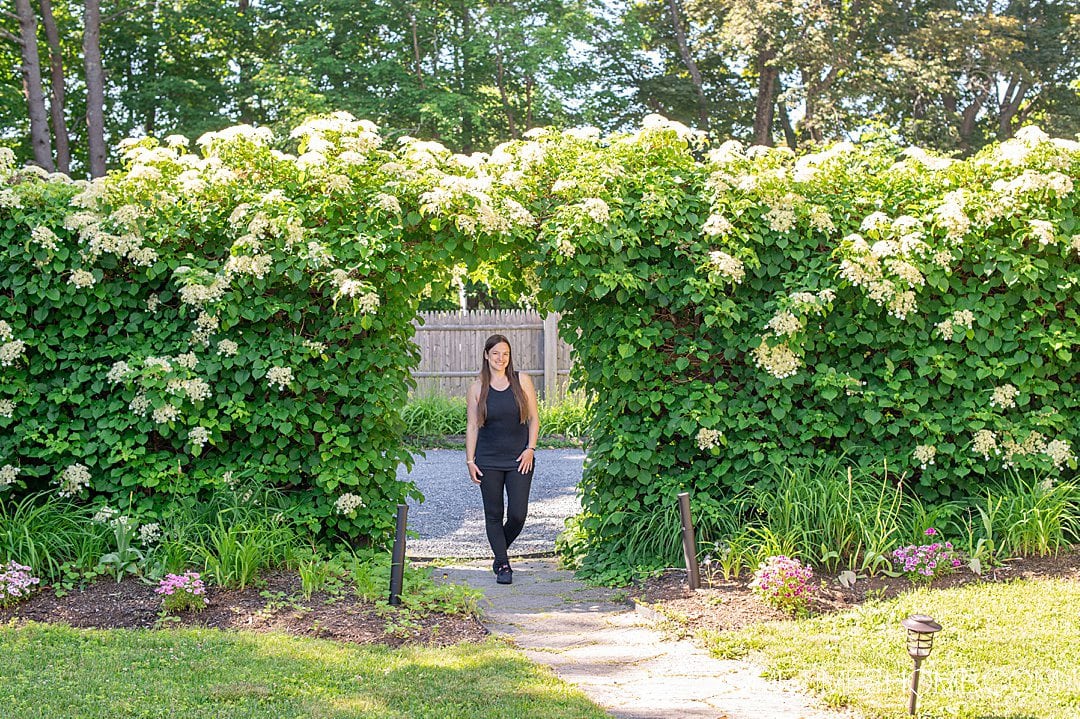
{"points": [[282, 377], [716, 225], [1060, 453], [196, 389], [8, 474], [902, 304], [985, 443], [118, 372], [820, 219], [5, 331], [199, 436], [785, 323], [104, 515], [152, 303], [188, 360], [924, 454], [158, 363], [778, 360], [315, 346], [388, 203], [139, 404], [73, 480], [708, 438], [45, 237], [959, 320], [11, 351], [348, 503], [1004, 396], [875, 222], [7, 408], [727, 267], [165, 413], [1043, 231], [780, 219], [596, 209], [227, 348], [81, 279]]}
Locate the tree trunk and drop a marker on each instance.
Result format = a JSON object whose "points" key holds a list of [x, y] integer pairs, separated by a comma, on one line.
{"points": [[766, 94], [243, 62], [95, 88], [464, 86], [1009, 107], [970, 115], [57, 87], [416, 49], [785, 122], [691, 66], [504, 96], [32, 88]]}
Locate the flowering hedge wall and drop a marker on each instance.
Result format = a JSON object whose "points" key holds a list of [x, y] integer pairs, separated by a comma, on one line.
{"points": [[743, 306], [246, 311], [236, 315]]}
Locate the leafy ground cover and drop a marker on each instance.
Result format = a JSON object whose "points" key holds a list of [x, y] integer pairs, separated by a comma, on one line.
{"points": [[1010, 644]]}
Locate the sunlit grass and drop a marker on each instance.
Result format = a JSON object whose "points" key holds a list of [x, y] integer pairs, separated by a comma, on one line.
{"points": [[55, 672], [1006, 650]]}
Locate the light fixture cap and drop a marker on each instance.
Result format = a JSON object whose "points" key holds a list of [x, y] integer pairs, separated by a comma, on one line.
{"points": [[921, 624]]}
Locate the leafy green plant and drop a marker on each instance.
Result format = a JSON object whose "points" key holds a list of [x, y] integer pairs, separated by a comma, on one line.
{"points": [[53, 535], [124, 559], [1031, 516], [434, 416]]}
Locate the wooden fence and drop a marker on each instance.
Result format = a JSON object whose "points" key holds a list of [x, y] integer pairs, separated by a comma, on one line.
{"points": [[452, 347]]}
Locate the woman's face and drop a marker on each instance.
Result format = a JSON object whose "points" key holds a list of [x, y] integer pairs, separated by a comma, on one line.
{"points": [[498, 357]]}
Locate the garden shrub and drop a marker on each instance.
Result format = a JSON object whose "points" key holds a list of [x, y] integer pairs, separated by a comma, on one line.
{"points": [[250, 312], [194, 321], [740, 307]]}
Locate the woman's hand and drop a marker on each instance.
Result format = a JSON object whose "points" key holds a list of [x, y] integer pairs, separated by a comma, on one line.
{"points": [[525, 460], [474, 472]]}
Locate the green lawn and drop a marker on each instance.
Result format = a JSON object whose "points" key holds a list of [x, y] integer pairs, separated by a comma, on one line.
{"points": [[1006, 650], [51, 672]]}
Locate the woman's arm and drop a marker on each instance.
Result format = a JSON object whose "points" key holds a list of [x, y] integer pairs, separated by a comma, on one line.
{"points": [[525, 459], [472, 429]]}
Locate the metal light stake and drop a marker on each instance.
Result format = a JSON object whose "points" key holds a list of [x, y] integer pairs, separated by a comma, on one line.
{"points": [[397, 566], [689, 544], [920, 640]]}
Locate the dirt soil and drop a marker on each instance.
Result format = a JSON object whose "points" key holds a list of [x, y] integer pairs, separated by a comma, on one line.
{"points": [[277, 605], [730, 604]]}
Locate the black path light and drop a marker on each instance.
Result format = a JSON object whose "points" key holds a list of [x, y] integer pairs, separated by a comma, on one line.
{"points": [[920, 640]]}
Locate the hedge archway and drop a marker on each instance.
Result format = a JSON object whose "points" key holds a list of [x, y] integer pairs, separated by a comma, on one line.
{"points": [[245, 314]]}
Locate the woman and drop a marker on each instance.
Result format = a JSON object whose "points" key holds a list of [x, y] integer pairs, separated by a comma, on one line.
{"points": [[500, 446]]}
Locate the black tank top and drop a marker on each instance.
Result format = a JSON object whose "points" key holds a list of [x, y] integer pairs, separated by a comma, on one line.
{"points": [[502, 437]]}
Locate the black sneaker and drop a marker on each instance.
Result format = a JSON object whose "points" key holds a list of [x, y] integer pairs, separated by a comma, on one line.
{"points": [[504, 574]]}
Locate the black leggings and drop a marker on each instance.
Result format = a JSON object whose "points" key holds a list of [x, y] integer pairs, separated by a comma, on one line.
{"points": [[516, 485]]}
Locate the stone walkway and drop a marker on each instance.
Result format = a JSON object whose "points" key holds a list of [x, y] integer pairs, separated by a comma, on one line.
{"points": [[612, 654]]}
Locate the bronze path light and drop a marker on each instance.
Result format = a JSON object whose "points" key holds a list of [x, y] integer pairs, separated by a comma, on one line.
{"points": [[920, 640]]}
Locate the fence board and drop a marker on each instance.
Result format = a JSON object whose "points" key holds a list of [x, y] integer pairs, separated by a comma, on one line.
{"points": [[452, 345]]}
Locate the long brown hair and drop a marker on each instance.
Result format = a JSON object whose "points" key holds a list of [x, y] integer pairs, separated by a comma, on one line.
{"points": [[485, 382]]}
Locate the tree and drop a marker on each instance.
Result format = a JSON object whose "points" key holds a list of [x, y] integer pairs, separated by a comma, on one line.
{"points": [[32, 88], [56, 88]]}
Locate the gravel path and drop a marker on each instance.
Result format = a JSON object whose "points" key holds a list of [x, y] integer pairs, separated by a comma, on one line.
{"points": [[450, 520]]}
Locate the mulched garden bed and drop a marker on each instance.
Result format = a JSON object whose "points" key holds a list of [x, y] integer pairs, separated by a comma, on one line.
{"points": [[275, 606], [730, 604]]}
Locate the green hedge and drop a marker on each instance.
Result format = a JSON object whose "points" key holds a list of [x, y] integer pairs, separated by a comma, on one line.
{"points": [[730, 309], [741, 308], [241, 315]]}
